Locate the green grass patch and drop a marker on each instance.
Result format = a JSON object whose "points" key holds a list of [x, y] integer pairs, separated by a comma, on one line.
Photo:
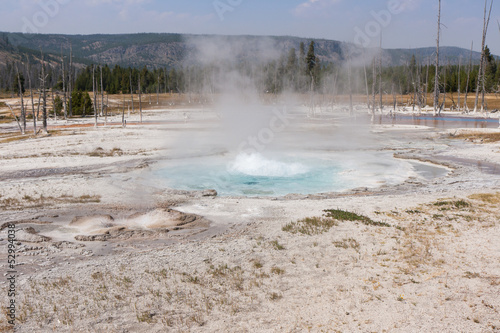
{"points": [[343, 215], [447, 204]]}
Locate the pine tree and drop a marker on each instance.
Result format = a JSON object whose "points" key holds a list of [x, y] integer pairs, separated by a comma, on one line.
{"points": [[311, 59], [490, 70]]}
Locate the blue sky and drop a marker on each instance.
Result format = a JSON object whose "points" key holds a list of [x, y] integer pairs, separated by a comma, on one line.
{"points": [[402, 23]]}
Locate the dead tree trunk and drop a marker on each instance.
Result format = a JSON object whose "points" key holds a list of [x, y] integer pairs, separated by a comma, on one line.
{"points": [[140, 100], [31, 95], [131, 93], [380, 76], [102, 102], [44, 96], [53, 104], [123, 112], [64, 86], [39, 104], [23, 111], [334, 88], [427, 81], [480, 77], [70, 81], [412, 76], [394, 101], [158, 90], [17, 119], [484, 105], [436, 79], [95, 96], [499, 30], [466, 107], [419, 86], [374, 85], [444, 87], [367, 90], [459, 79], [351, 110]]}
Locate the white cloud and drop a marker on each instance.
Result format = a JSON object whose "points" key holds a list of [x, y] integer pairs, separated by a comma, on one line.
{"points": [[409, 5], [309, 5]]}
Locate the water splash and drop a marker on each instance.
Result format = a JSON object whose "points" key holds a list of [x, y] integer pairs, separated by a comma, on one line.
{"points": [[258, 166]]}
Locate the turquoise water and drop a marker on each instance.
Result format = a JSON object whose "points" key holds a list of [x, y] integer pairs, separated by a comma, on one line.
{"points": [[257, 175], [228, 181]]}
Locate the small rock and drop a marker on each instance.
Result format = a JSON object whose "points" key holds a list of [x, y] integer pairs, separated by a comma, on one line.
{"points": [[209, 193]]}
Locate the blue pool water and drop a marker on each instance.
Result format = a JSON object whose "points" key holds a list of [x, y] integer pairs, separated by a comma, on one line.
{"points": [[228, 180], [257, 175]]}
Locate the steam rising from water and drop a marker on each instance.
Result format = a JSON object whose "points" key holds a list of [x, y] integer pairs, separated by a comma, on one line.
{"points": [[297, 155], [257, 165]]}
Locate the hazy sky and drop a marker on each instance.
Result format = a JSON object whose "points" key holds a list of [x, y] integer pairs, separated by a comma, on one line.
{"points": [[402, 23]]}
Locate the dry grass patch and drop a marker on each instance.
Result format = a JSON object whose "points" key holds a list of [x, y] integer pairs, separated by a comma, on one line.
{"points": [[459, 204], [421, 238], [318, 225], [257, 264], [42, 201], [14, 137], [487, 197], [99, 152], [479, 137], [275, 296], [347, 243], [310, 226], [417, 244], [277, 246], [277, 270]]}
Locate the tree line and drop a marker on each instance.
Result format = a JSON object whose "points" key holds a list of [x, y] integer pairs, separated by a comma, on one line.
{"points": [[293, 72], [296, 71]]}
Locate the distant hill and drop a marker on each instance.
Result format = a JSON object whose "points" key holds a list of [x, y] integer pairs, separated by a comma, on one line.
{"points": [[425, 55], [171, 50]]}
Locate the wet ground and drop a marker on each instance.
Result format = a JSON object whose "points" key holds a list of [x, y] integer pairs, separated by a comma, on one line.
{"points": [[442, 122]]}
